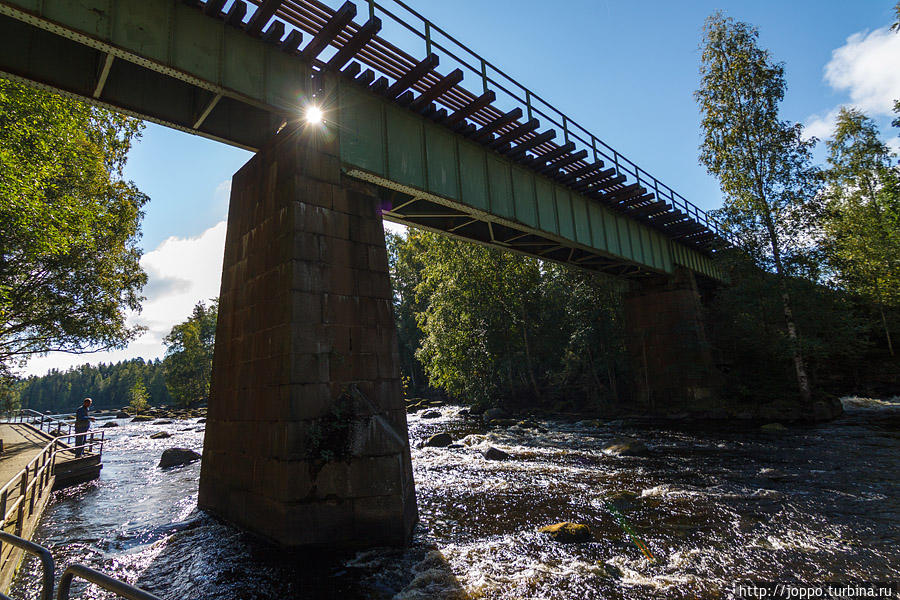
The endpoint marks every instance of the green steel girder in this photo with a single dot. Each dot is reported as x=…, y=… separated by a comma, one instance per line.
x=167, y=62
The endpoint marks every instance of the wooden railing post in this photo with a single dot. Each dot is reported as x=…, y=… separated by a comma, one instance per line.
x=20, y=513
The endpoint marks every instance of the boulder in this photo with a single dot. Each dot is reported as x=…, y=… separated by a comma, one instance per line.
x=203, y=420
x=174, y=457
x=568, y=533
x=495, y=454
x=439, y=440
x=122, y=415
x=493, y=414
x=159, y=435
x=162, y=422
x=141, y=418
x=109, y=424
x=773, y=427
x=627, y=447
x=431, y=414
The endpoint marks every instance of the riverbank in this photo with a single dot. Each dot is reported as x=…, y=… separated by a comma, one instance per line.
x=811, y=503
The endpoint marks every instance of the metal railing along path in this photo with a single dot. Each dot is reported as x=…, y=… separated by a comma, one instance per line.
x=110, y=584
x=38, y=551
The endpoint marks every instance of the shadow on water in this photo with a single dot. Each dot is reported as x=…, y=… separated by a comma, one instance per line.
x=209, y=560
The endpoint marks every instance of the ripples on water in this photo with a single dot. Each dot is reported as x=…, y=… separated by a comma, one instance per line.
x=810, y=504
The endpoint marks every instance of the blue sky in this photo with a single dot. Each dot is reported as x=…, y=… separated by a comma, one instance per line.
x=624, y=69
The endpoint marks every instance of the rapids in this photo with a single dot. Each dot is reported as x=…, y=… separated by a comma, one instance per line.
x=810, y=504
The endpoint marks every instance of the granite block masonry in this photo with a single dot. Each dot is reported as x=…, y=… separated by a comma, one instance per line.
x=666, y=338
x=306, y=440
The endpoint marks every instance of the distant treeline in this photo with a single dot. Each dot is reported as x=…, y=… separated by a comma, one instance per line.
x=108, y=385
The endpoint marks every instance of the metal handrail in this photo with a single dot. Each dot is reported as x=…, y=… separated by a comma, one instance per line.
x=533, y=104
x=42, y=553
x=571, y=129
x=119, y=588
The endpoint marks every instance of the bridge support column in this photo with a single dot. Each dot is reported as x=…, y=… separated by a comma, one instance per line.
x=306, y=441
x=670, y=353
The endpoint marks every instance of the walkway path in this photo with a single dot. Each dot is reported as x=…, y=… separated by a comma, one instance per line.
x=20, y=445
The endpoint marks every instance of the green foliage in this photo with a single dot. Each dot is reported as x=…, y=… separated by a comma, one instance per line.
x=861, y=226
x=488, y=325
x=109, y=385
x=189, y=355
x=139, y=396
x=10, y=394
x=69, y=225
x=763, y=163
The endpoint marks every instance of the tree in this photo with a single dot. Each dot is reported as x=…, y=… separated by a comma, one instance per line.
x=763, y=163
x=69, y=225
x=139, y=396
x=862, y=223
x=896, y=25
x=189, y=355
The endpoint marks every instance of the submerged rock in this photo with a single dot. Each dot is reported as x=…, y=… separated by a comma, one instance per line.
x=627, y=447
x=568, y=533
x=431, y=414
x=492, y=414
x=163, y=422
x=773, y=427
x=174, y=457
x=109, y=424
x=439, y=440
x=159, y=435
x=495, y=454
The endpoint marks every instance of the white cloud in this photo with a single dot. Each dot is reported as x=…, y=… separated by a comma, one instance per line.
x=221, y=197
x=867, y=68
x=181, y=272
x=821, y=126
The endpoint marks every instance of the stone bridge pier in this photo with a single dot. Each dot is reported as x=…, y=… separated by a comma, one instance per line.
x=306, y=439
x=667, y=341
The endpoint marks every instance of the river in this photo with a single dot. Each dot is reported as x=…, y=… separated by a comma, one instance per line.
x=811, y=504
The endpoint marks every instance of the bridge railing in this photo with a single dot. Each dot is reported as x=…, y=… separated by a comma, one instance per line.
x=512, y=94
x=494, y=78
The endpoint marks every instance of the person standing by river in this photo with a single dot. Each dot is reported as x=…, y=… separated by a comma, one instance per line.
x=82, y=424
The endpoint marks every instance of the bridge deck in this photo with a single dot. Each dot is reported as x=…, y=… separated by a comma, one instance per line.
x=237, y=71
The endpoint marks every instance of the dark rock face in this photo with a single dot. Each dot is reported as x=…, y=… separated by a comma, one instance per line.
x=568, y=533
x=174, y=457
x=492, y=414
x=495, y=454
x=627, y=447
x=439, y=440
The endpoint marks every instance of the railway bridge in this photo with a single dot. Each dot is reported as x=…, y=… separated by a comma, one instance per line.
x=306, y=440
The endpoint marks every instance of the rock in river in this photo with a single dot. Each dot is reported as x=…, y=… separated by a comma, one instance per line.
x=160, y=435
x=109, y=424
x=439, y=440
x=141, y=418
x=495, y=454
x=173, y=457
x=568, y=533
x=162, y=422
x=492, y=414
x=431, y=414
x=122, y=415
x=773, y=427
x=627, y=447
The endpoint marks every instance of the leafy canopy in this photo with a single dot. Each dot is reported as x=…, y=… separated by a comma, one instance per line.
x=189, y=355
x=69, y=226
